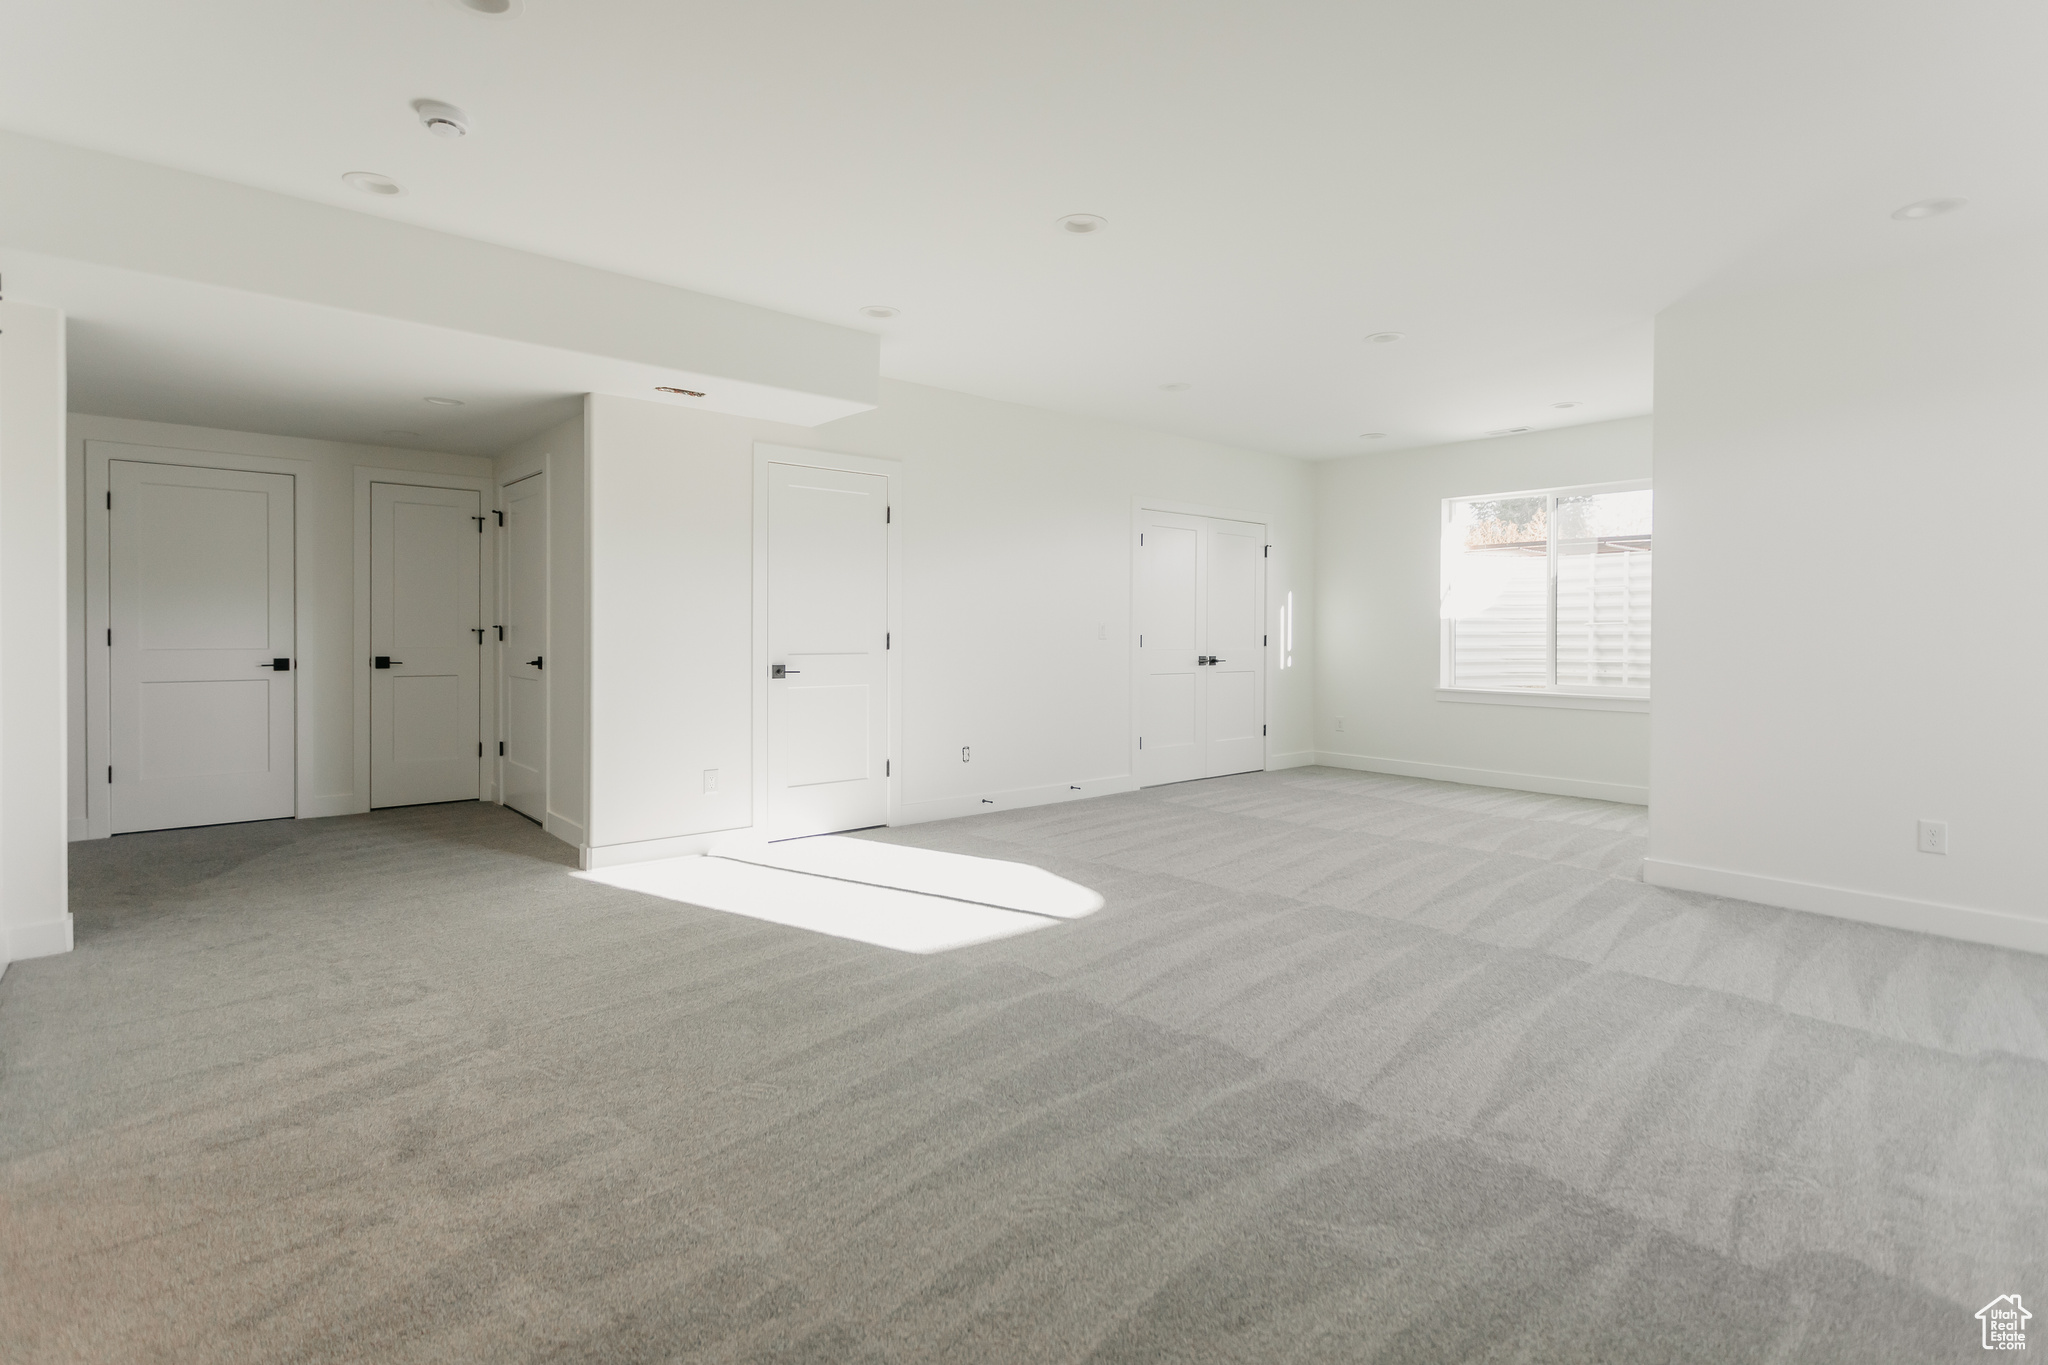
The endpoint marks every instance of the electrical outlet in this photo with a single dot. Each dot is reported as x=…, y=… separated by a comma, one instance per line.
x=966, y=754
x=1933, y=836
x=710, y=780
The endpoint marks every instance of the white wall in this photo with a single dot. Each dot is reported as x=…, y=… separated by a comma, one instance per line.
x=34, y=918
x=1850, y=485
x=1016, y=534
x=329, y=669
x=559, y=454
x=1378, y=564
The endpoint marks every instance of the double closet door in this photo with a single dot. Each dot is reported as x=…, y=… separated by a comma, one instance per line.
x=1201, y=627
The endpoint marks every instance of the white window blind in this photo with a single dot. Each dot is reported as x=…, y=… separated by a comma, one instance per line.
x=1548, y=592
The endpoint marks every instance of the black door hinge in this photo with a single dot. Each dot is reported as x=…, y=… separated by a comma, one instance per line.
x=888, y=515
x=110, y=635
x=885, y=641
x=1141, y=537
x=1265, y=639
x=1141, y=741
x=110, y=774
x=885, y=767
x=501, y=748
x=1262, y=729
x=110, y=499
x=479, y=748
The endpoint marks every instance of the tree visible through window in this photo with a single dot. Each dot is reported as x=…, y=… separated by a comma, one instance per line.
x=1548, y=592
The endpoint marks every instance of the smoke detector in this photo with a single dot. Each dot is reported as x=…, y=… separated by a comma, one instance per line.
x=441, y=119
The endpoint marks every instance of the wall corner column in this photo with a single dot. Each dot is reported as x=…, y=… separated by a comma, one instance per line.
x=35, y=918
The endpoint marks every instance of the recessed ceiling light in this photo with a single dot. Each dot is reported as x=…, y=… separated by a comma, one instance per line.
x=446, y=402
x=1372, y=435
x=1083, y=222
x=878, y=311
x=1175, y=388
x=1929, y=208
x=1387, y=338
x=490, y=9
x=687, y=393
x=1572, y=404
x=369, y=182
x=401, y=435
x=441, y=118
x=1508, y=431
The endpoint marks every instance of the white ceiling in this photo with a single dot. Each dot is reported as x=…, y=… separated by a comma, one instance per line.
x=1517, y=187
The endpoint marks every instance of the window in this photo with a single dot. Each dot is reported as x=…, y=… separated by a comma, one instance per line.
x=1546, y=595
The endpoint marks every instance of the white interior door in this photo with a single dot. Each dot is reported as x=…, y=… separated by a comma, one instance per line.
x=523, y=769
x=1201, y=647
x=1169, y=620
x=828, y=593
x=200, y=645
x=426, y=642
x=1234, y=612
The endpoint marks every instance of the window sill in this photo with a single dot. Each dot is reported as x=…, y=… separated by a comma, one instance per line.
x=1575, y=701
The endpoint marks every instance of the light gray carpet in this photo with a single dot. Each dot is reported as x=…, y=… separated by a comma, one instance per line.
x=1349, y=1069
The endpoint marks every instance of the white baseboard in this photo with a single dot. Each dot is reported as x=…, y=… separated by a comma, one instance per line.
x=35, y=940
x=981, y=803
x=1299, y=759
x=1994, y=927
x=1486, y=777
x=563, y=828
x=322, y=807
x=650, y=850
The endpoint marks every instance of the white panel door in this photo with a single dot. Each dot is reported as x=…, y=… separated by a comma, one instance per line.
x=426, y=643
x=522, y=667
x=828, y=593
x=1234, y=608
x=201, y=646
x=1169, y=621
x=1201, y=648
